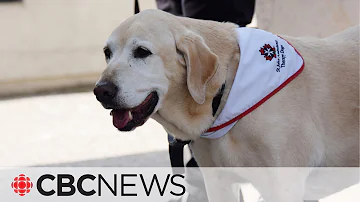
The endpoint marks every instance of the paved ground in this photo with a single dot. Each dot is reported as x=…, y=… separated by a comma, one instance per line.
x=74, y=130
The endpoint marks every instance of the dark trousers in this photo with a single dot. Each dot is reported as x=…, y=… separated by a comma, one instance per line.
x=236, y=11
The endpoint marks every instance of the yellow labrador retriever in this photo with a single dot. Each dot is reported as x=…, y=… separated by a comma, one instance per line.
x=171, y=69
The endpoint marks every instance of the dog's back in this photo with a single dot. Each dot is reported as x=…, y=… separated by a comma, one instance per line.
x=344, y=92
x=331, y=77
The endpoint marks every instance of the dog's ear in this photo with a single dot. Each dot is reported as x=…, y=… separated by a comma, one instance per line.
x=200, y=62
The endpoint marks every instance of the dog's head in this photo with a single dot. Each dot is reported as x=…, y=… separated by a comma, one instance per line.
x=157, y=66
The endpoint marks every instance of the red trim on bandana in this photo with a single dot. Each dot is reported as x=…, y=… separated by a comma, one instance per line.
x=264, y=99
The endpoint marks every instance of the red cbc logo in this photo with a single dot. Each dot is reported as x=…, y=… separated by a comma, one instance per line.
x=268, y=52
x=21, y=185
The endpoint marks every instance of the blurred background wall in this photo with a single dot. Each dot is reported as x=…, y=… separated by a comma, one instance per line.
x=53, y=44
x=50, y=44
x=319, y=18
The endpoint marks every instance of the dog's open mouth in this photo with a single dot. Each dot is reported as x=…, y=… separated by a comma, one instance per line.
x=128, y=119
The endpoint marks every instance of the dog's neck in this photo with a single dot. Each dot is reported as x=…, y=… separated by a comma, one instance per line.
x=228, y=63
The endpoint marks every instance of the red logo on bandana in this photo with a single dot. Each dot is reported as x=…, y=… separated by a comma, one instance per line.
x=268, y=52
x=21, y=185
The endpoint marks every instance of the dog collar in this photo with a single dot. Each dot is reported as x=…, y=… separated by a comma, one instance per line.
x=217, y=100
x=267, y=64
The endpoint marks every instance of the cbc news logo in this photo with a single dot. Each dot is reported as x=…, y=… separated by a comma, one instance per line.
x=68, y=185
x=22, y=185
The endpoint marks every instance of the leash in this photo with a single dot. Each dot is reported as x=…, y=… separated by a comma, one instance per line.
x=137, y=8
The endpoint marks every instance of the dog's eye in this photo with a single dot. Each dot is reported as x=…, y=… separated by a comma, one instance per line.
x=141, y=52
x=107, y=53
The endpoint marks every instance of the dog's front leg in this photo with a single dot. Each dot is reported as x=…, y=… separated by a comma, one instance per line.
x=282, y=184
x=217, y=184
x=219, y=187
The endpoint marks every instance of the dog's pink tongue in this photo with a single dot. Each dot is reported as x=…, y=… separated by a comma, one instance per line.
x=120, y=118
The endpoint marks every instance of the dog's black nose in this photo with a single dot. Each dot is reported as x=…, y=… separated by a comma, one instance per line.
x=105, y=91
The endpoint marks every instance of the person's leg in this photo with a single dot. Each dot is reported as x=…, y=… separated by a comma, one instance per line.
x=170, y=6
x=236, y=11
x=244, y=10
x=176, y=154
x=206, y=9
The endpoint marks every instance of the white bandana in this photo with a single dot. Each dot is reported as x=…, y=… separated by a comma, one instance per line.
x=267, y=64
